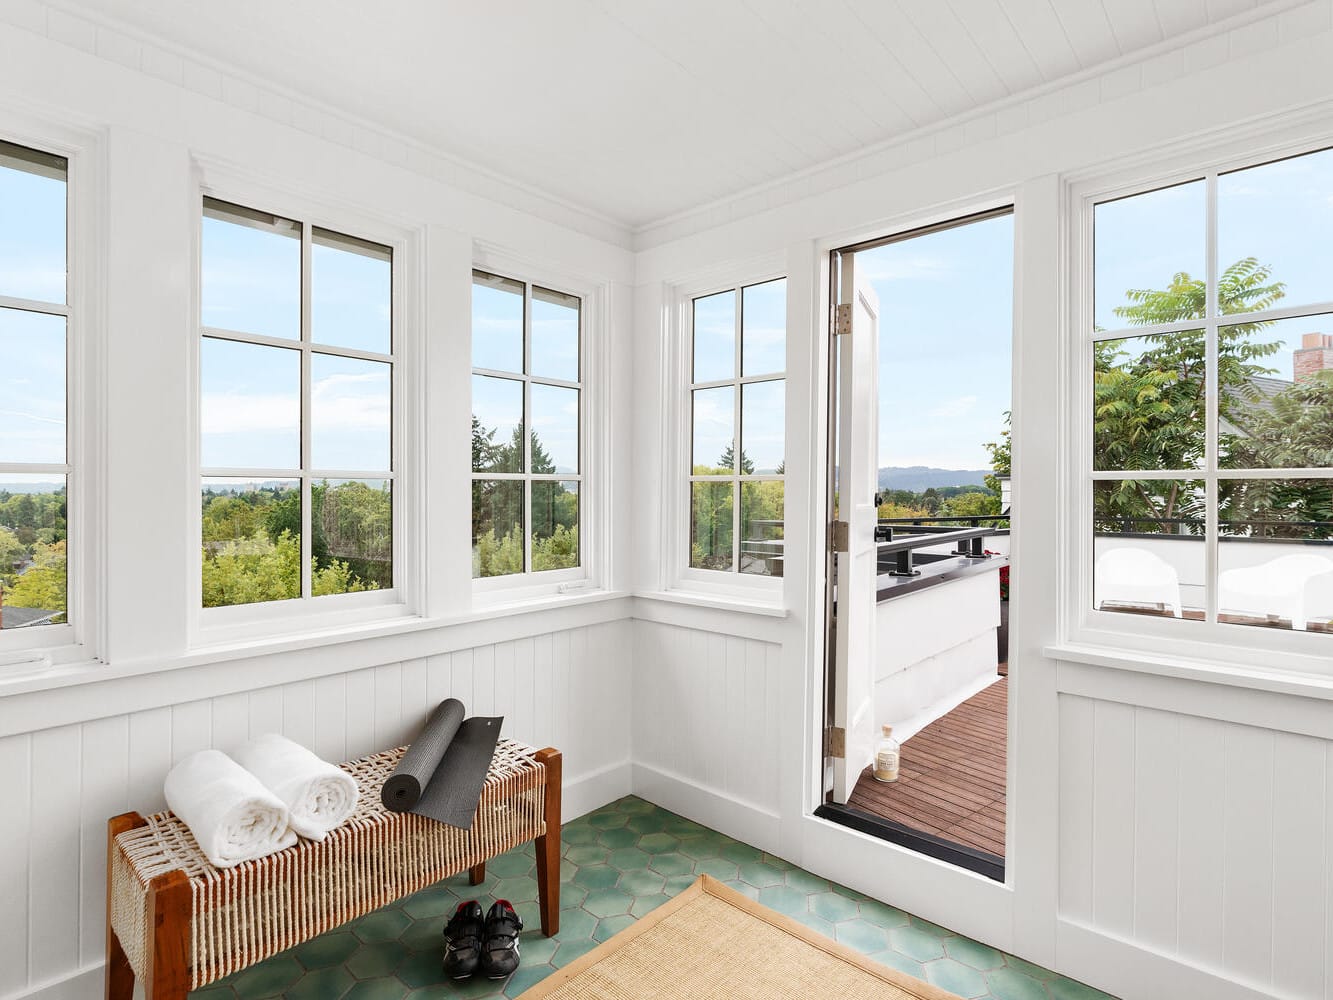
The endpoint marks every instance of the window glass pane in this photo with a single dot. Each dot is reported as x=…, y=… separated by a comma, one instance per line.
x=715, y=337
x=351, y=293
x=497, y=323
x=1152, y=241
x=1275, y=553
x=1272, y=225
x=32, y=387
x=352, y=544
x=761, y=528
x=497, y=424
x=764, y=328
x=250, y=406
x=251, y=541
x=714, y=430
x=763, y=427
x=555, y=429
x=32, y=224
x=350, y=413
x=251, y=272
x=1148, y=546
x=1148, y=402
x=1277, y=394
x=555, y=335
x=555, y=525
x=711, y=506
x=497, y=527
x=33, y=538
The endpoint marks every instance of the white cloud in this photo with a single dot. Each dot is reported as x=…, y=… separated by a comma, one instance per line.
x=951, y=409
x=229, y=413
x=900, y=266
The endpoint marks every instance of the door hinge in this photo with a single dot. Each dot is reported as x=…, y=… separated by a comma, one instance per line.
x=838, y=537
x=835, y=742
x=842, y=319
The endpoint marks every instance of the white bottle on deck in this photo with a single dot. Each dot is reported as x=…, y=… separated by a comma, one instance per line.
x=887, y=756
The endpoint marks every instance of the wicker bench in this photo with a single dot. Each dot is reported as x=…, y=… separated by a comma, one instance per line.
x=178, y=923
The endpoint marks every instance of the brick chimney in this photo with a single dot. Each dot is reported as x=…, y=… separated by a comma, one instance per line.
x=1314, y=355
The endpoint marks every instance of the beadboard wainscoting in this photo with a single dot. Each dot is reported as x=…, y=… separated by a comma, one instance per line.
x=707, y=739
x=1194, y=826
x=569, y=689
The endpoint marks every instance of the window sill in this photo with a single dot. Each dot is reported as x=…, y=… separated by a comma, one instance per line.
x=1302, y=684
x=715, y=601
x=94, y=671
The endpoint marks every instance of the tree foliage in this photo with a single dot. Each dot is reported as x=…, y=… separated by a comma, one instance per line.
x=1149, y=404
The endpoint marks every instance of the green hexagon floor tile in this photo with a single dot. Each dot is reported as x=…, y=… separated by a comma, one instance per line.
x=620, y=863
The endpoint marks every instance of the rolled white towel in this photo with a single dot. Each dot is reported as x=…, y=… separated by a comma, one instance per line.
x=319, y=796
x=231, y=814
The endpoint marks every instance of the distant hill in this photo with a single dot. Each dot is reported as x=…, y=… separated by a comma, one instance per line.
x=922, y=477
x=31, y=487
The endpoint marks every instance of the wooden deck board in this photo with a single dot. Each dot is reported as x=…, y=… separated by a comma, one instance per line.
x=952, y=777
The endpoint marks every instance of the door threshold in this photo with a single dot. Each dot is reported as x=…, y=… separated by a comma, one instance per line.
x=980, y=862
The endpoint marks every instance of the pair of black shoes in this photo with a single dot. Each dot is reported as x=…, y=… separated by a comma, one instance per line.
x=488, y=945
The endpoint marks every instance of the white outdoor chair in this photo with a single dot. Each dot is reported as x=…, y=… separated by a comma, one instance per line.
x=1297, y=586
x=1136, y=576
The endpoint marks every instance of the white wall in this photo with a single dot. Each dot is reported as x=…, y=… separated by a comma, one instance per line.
x=1103, y=759
x=87, y=741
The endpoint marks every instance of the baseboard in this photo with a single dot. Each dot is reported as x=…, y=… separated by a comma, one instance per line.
x=85, y=984
x=1132, y=972
x=591, y=791
x=743, y=820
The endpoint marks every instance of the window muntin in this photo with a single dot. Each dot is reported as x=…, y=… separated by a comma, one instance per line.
x=527, y=426
x=34, y=399
x=296, y=410
x=737, y=406
x=1212, y=399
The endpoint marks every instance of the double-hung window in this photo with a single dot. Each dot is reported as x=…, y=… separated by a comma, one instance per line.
x=35, y=472
x=737, y=397
x=1210, y=352
x=296, y=373
x=527, y=406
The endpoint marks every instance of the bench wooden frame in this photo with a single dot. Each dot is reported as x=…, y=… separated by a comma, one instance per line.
x=169, y=901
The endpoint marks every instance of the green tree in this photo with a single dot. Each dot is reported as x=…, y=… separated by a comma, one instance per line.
x=1001, y=455
x=43, y=584
x=12, y=554
x=1149, y=406
x=1295, y=430
x=727, y=460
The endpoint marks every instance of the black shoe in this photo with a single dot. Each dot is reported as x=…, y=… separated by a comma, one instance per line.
x=462, y=941
x=499, y=956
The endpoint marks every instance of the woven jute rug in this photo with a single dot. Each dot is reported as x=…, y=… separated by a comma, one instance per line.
x=712, y=943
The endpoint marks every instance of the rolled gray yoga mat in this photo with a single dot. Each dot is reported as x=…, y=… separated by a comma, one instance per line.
x=442, y=773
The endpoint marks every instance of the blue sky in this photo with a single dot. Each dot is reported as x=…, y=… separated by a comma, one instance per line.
x=32, y=266
x=945, y=335
x=250, y=407
x=763, y=352
x=497, y=344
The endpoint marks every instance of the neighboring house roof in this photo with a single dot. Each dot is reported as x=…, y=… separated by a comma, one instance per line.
x=1266, y=388
x=12, y=617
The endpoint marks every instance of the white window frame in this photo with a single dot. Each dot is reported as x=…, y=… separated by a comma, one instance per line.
x=82, y=638
x=1148, y=637
x=679, y=451
x=594, y=434
x=406, y=598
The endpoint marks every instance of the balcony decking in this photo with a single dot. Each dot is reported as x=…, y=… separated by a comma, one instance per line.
x=952, y=776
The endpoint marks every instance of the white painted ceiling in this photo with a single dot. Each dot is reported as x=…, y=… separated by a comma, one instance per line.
x=641, y=109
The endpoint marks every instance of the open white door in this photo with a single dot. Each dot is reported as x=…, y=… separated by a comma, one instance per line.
x=856, y=562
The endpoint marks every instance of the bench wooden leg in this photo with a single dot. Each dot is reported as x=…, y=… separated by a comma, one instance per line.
x=119, y=975
x=548, y=846
x=477, y=874
x=168, y=953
